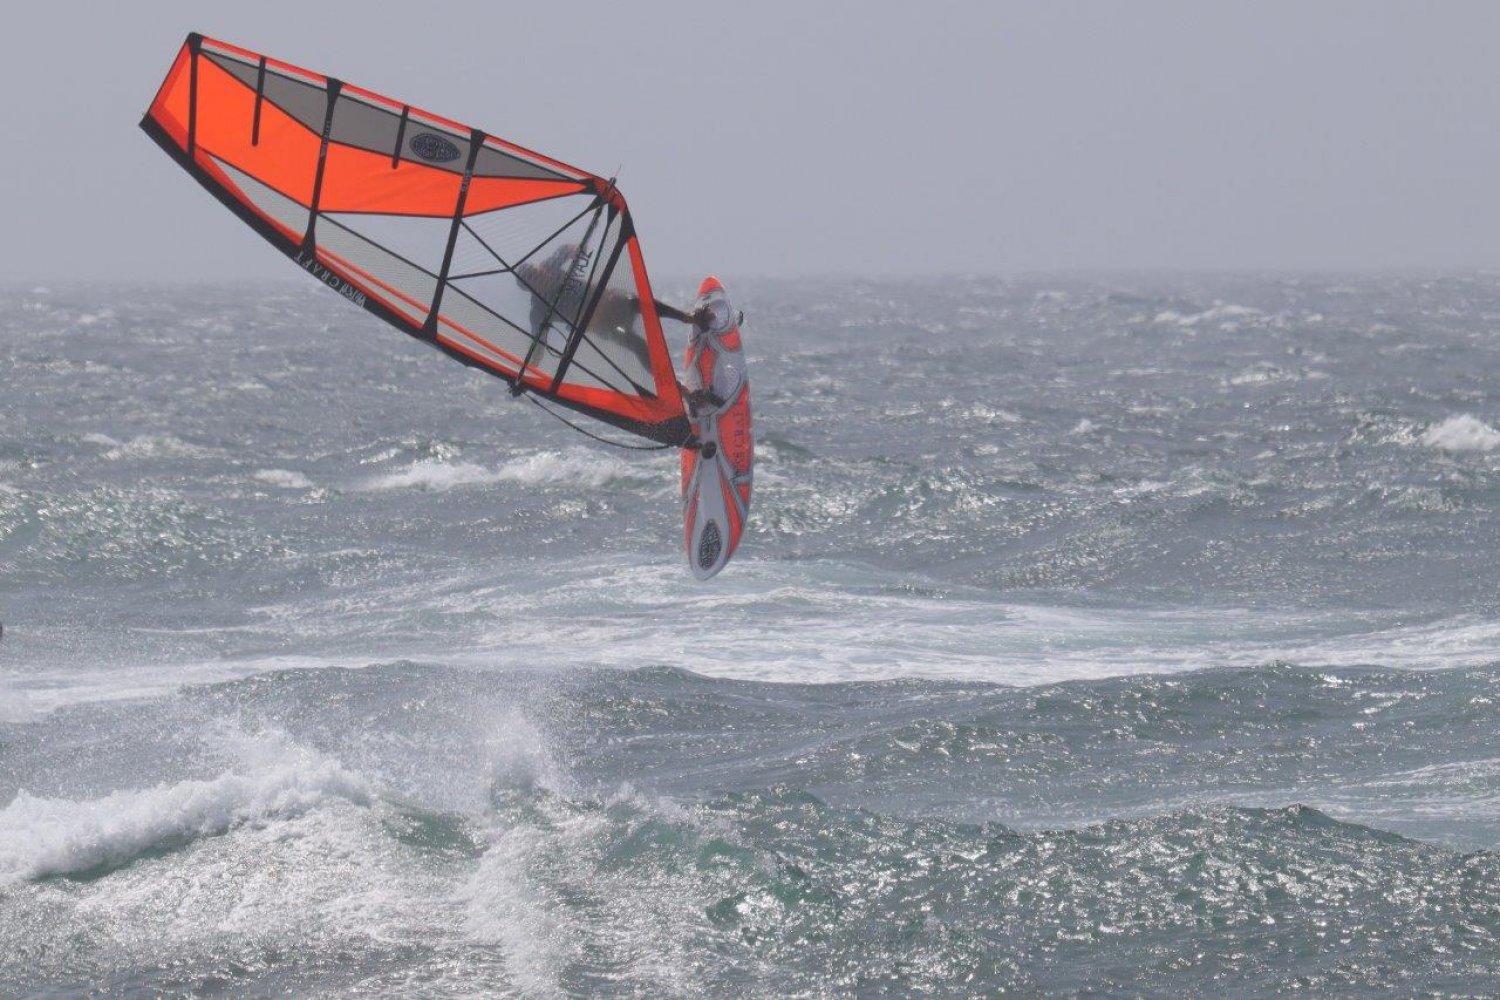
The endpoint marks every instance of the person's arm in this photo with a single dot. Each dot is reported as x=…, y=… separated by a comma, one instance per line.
x=672, y=312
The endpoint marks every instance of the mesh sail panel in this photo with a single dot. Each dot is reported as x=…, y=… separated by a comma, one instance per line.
x=269, y=202
x=399, y=282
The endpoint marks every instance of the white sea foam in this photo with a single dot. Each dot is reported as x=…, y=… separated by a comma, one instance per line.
x=831, y=622
x=515, y=755
x=991, y=414
x=47, y=836
x=827, y=622
x=283, y=849
x=1461, y=433
x=285, y=478
x=545, y=468
x=511, y=906
x=1221, y=312
x=153, y=446
x=509, y=902
x=47, y=691
x=778, y=621
x=103, y=440
x=433, y=474
x=1263, y=374
x=15, y=706
x=523, y=896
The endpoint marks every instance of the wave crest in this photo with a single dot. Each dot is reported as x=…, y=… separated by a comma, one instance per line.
x=545, y=468
x=284, y=478
x=46, y=836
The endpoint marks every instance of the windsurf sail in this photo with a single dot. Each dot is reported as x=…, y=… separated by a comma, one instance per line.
x=505, y=259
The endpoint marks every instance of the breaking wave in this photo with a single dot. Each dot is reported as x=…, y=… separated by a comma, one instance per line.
x=55, y=836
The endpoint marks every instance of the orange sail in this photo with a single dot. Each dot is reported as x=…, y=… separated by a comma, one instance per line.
x=505, y=259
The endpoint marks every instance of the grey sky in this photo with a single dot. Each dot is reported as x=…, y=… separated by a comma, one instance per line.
x=793, y=138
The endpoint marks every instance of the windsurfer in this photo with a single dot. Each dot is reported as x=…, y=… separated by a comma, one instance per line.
x=557, y=285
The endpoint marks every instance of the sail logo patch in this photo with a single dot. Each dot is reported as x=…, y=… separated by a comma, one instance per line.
x=710, y=543
x=330, y=278
x=433, y=148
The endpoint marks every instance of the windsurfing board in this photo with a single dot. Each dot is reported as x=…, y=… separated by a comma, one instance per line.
x=717, y=474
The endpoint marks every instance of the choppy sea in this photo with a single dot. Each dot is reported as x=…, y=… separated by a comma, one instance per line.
x=1118, y=636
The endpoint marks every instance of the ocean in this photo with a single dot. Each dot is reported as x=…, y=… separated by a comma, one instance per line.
x=1093, y=636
